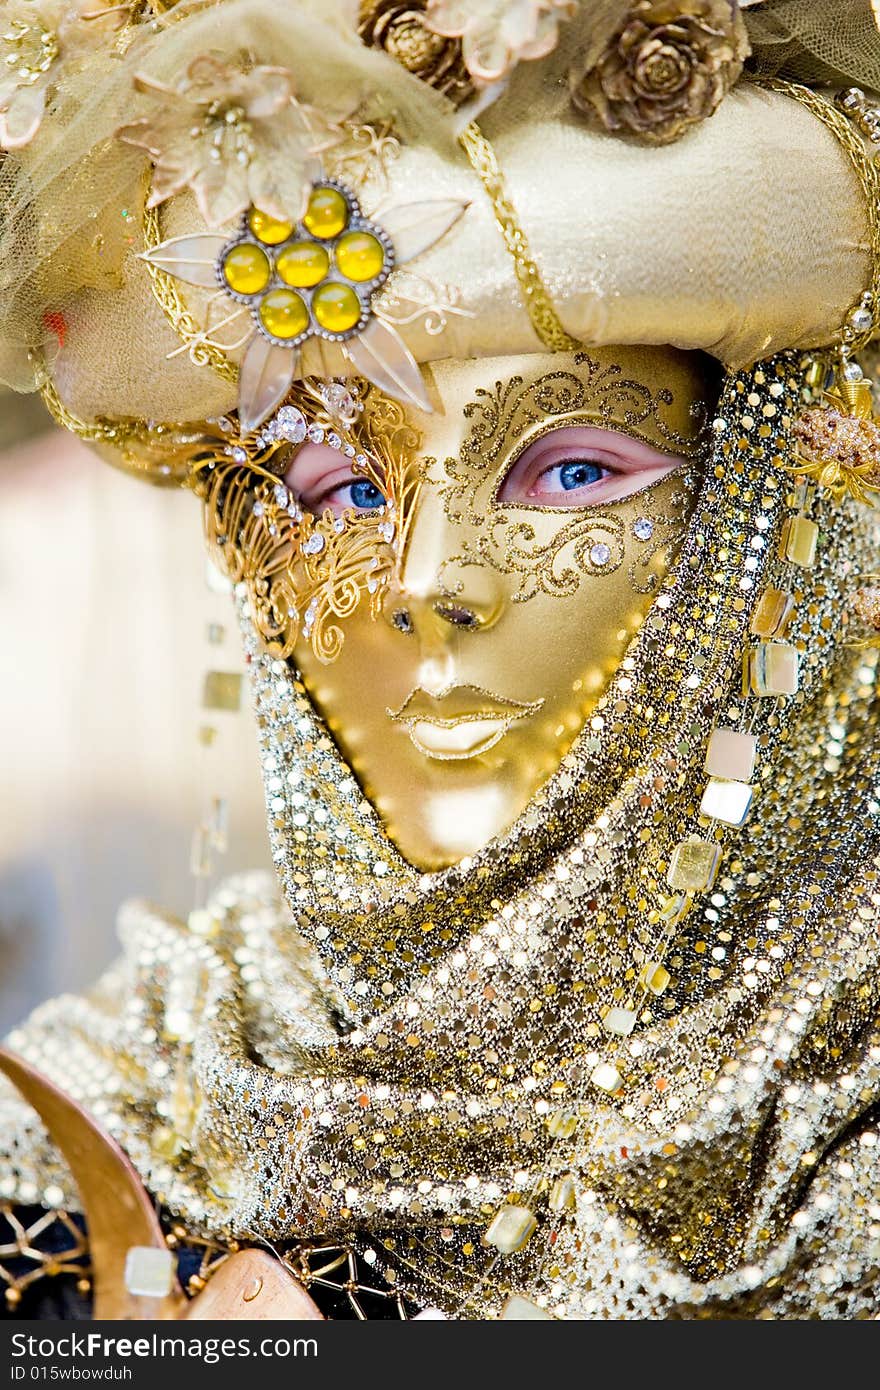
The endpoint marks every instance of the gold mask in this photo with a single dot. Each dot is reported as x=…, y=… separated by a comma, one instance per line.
x=553, y=492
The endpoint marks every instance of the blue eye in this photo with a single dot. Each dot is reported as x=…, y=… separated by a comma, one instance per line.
x=365, y=496
x=577, y=473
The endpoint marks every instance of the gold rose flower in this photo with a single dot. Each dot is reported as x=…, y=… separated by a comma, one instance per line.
x=497, y=34
x=668, y=67
x=401, y=30
x=865, y=606
x=34, y=35
x=837, y=442
x=236, y=136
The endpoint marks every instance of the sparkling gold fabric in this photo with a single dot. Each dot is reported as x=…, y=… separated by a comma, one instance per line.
x=376, y=1061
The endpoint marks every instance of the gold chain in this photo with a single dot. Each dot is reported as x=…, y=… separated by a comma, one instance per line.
x=167, y=295
x=866, y=171
x=545, y=320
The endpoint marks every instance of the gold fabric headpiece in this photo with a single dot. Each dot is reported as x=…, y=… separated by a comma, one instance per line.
x=746, y=235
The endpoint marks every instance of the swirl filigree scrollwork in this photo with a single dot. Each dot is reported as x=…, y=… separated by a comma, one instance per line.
x=306, y=574
x=511, y=416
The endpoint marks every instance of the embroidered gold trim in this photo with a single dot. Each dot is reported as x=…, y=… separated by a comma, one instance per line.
x=166, y=293
x=866, y=171
x=545, y=320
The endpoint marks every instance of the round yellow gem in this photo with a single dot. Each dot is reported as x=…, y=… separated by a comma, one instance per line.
x=284, y=314
x=246, y=268
x=327, y=213
x=303, y=264
x=336, y=307
x=268, y=229
x=360, y=256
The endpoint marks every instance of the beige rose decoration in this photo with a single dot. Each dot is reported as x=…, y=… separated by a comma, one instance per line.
x=34, y=35
x=401, y=30
x=668, y=67
x=497, y=34
x=235, y=135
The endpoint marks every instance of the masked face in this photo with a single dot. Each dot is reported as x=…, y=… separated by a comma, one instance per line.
x=553, y=493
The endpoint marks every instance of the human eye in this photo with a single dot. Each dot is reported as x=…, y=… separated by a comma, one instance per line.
x=322, y=481
x=583, y=466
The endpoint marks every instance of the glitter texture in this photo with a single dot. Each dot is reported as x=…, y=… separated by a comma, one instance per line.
x=377, y=1059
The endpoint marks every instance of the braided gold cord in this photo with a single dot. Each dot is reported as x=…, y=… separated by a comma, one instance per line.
x=866, y=171
x=167, y=295
x=545, y=320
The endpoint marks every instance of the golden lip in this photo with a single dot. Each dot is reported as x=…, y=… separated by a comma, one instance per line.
x=452, y=740
x=459, y=722
x=458, y=703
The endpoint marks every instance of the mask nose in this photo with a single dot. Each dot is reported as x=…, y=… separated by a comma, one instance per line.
x=436, y=591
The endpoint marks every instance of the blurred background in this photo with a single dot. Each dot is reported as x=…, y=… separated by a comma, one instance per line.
x=104, y=614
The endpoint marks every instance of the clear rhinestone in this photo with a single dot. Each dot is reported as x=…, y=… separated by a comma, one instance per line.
x=290, y=424
x=239, y=455
x=334, y=441
x=386, y=531
x=643, y=528
x=852, y=371
x=340, y=401
x=861, y=319
x=282, y=496
x=315, y=434
x=600, y=554
x=314, y=545
x=258, y=509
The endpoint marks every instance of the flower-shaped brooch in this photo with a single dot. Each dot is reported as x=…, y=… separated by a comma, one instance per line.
x=313, y=278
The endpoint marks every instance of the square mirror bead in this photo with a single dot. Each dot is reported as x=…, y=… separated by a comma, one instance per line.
x=606, y=1077
x=773, y=669
x=798, y=541
x=149, y=1271
x=728, y=802
x=510, y=1229
x=693, y=866
x=654, y=977
x=620, y=1022
x=731, y=755
x=222, y=690
x=520, y=1309
x=773, y=613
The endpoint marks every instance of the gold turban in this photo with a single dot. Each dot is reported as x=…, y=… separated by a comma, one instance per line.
x=746, y=236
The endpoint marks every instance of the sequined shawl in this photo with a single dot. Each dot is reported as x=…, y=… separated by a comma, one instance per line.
x=375, y=1058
